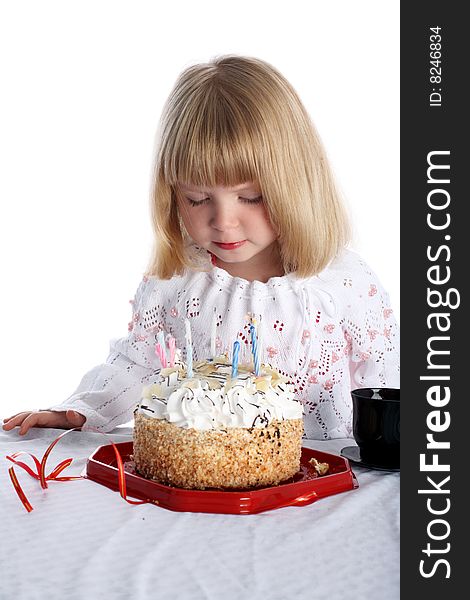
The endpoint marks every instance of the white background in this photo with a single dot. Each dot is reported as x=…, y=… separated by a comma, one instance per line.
x=82, y=87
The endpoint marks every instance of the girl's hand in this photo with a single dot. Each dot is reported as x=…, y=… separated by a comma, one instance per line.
x=44, y=418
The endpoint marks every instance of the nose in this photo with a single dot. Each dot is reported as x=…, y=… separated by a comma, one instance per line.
x=224, y=217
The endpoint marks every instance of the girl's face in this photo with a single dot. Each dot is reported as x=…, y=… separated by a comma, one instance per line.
x=233, y=224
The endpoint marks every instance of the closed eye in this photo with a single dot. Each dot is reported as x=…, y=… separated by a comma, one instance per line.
x=256, y=200
x=197, y=202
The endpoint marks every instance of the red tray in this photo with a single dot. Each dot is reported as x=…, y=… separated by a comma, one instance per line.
x=302, y=489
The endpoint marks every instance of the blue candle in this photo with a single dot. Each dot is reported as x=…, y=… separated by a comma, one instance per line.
x=254, y=349
x=235, y=353
x=189, y=349
x=259, y=332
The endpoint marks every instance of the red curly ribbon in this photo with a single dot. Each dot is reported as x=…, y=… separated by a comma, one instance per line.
x=40, y=475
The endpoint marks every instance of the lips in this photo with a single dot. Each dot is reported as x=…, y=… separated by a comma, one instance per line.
x=229, y=245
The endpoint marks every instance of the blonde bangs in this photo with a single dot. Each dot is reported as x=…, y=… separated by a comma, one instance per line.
x=236, y=120
x=213, y=143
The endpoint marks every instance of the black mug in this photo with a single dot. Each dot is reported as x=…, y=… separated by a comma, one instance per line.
x=376, y=425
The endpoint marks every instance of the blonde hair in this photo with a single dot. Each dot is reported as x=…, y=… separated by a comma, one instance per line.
x=233, y=120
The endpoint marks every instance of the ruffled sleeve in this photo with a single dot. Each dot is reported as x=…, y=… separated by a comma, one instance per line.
x=108, y=394
x=371, y=332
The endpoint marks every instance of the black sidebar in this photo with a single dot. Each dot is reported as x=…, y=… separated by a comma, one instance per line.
x=435, y=267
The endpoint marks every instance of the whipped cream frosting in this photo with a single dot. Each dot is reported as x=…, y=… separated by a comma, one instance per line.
x=213, y=400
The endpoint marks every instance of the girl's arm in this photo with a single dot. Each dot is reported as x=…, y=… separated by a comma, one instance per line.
x=109, y=393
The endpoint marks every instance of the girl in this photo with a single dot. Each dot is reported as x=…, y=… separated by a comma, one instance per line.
x=247, y=223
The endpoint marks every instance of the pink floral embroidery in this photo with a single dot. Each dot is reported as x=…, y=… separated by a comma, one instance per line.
x=329, y=328
x=173, y=312
x=373, y=333
x=334, y=357
x=347, y=336
x=348, y=348
x=305, y=335
x=365, y=355
x=372, y=289
x=387, y=332
x=136, y=317
x=145, y=278
x=328, y=385
x=313, y=364
x=387, y=312
x=313, y=379
x=140, y=338
x=130, y=326
x=271, y=351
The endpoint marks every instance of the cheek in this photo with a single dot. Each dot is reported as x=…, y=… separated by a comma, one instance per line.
x=267, y=224
x=192, y=220
x=184, y=214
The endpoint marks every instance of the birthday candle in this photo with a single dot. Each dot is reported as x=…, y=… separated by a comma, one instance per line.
x=172, y=348
x=254, y=349
x=213, y=332
x=260, y=340
x=161, y=341
x=236, y=351
x=189, y=349
x=161, y=354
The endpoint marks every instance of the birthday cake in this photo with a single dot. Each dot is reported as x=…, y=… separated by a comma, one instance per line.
x=216, y=430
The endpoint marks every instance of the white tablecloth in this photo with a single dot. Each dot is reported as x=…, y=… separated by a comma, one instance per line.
x=83, y=541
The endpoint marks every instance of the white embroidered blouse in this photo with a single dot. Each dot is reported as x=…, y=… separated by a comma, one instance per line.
x=328, y=334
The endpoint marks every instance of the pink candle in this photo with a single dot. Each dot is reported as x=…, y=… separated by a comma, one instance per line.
x=160, y=352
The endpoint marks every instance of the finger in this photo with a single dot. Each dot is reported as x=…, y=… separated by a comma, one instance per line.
x=44, y=419
x=38, y=419
x=15, y=415
x=75, y=418
x=27, y=423
x=15, y=420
